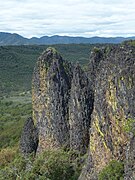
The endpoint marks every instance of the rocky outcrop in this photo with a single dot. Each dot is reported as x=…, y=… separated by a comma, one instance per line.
x=74, y=109
x=61, y=103
x=113, y=109
x=29, y=138
x=51, y=85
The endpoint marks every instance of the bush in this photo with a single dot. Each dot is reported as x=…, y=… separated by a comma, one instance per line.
x=114, y=171
x=129, y=126
x=7, y=155
x=50, y=165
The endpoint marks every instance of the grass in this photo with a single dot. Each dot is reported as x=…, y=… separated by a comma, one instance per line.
x=14, y=111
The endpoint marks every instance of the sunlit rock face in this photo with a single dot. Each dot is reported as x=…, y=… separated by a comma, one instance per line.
x=113, y=107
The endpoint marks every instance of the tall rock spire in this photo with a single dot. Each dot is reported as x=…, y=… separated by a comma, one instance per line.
x=50, y=93
x=62, y=103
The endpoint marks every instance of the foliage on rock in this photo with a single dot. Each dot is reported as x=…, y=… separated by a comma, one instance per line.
x=113, y=171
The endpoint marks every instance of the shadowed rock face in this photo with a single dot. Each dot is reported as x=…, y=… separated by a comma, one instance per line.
x=113, y=109
x=80, y=109
x=29, y=138
x=61, y=103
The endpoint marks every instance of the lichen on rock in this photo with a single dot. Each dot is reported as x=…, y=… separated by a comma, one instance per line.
x=113, y=105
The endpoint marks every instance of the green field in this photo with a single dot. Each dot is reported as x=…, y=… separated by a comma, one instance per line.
x=13, y=113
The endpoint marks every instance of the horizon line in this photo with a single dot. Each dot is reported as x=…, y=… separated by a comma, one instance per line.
x=14, y=33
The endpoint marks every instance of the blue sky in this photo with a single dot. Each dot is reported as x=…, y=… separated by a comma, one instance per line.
x=68, y=17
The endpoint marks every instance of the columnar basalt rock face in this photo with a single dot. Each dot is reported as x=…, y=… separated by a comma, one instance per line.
x=51, y=85
x=113, y=108
x=80, y=109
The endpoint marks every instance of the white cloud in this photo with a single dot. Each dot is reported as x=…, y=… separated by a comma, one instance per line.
x=68, y=17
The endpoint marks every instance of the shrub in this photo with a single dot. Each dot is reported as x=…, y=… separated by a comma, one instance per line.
x=50, y=165
x=96, y=50
x=114, y=171
x=6, y=156
x=129, y=125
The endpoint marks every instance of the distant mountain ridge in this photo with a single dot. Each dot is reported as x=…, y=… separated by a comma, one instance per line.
x=16, y=39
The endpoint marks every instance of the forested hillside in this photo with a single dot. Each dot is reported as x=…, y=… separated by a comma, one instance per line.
x=17, y=63
x=16, y=39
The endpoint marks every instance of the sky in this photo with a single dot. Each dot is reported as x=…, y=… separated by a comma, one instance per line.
x=87, y=18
